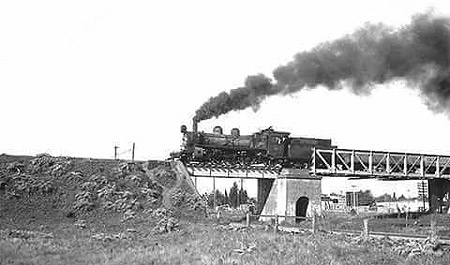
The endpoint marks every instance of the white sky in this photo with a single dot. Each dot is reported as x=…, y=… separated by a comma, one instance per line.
x=78, y=77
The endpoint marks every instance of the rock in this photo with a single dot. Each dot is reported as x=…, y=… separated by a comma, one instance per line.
x=128, y=215
x=148, y=211
x=159, y=213
x=433, y=249
x=414, y=253
x=49, y=235
x=107, y=237
x=166, y=225
x=24, y=234
x=98, y=236
x=80, y=223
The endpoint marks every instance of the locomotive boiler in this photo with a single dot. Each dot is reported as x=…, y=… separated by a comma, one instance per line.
x=267, y=148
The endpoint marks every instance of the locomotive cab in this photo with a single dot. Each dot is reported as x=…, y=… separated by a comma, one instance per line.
x=276, y=143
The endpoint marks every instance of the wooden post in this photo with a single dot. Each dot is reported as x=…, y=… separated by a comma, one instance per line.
x=239, y=197
x=214, y=190
x=406, y=217
x=433, y=236
x=132, y=152
x=366, y=228
x=314, y=222
x=247, y=220
x=275, y=228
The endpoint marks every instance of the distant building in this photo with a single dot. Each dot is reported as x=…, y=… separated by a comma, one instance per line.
x=333, y=202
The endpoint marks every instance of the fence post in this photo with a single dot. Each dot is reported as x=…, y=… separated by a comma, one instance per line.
x=275, y=228
x=406, y=217
x=366, y=228
x=314, y=222
x=433, y=236
x=247, y=219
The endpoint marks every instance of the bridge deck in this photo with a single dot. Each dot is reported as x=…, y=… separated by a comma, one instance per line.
x=378, y=164
x=346, y=163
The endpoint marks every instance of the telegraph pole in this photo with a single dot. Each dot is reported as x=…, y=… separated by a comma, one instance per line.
x=115, y=152
x=132, y=152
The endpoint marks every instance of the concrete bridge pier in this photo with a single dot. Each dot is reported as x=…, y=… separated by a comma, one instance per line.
x=264, y=188
x=294, y=192
x=438, y=193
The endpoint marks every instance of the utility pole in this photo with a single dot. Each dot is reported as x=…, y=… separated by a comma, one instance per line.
x=422, y=191
x=115, y=152
x=132, y=152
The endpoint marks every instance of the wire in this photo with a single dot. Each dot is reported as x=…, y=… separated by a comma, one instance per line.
x=126, y=151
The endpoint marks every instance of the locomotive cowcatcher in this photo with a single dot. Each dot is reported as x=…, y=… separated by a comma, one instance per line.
x=267, y=148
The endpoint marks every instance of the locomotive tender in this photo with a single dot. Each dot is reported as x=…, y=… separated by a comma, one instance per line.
x=267, y=148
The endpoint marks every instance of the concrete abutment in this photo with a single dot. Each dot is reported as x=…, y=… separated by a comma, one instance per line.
x=289, y=195
x=264, y=187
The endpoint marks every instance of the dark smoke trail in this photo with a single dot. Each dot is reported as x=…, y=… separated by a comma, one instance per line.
x=255, y=90
x=375, y=54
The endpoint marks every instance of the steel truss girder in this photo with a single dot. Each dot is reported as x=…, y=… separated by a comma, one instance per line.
x=226, y=172
x=369, y=163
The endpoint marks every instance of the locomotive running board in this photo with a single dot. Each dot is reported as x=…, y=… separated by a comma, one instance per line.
x=224, y=172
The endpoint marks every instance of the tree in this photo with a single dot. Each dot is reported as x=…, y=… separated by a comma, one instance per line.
x=220, y=199
x=227, y=198
x=233, y=197
x=243, y=197
x=385, y=198
x=210, y=200
x=365, y=197
x=402, y=198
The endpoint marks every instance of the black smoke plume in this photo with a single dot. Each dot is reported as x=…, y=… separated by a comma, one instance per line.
x=375, y=54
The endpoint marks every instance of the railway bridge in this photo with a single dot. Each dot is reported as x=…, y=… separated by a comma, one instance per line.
x=296, y=192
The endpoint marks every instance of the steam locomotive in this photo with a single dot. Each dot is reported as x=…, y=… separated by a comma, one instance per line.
x=267, y=148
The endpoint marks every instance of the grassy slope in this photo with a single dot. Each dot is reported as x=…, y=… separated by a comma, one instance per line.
x=53, y=188
x=54, y=238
